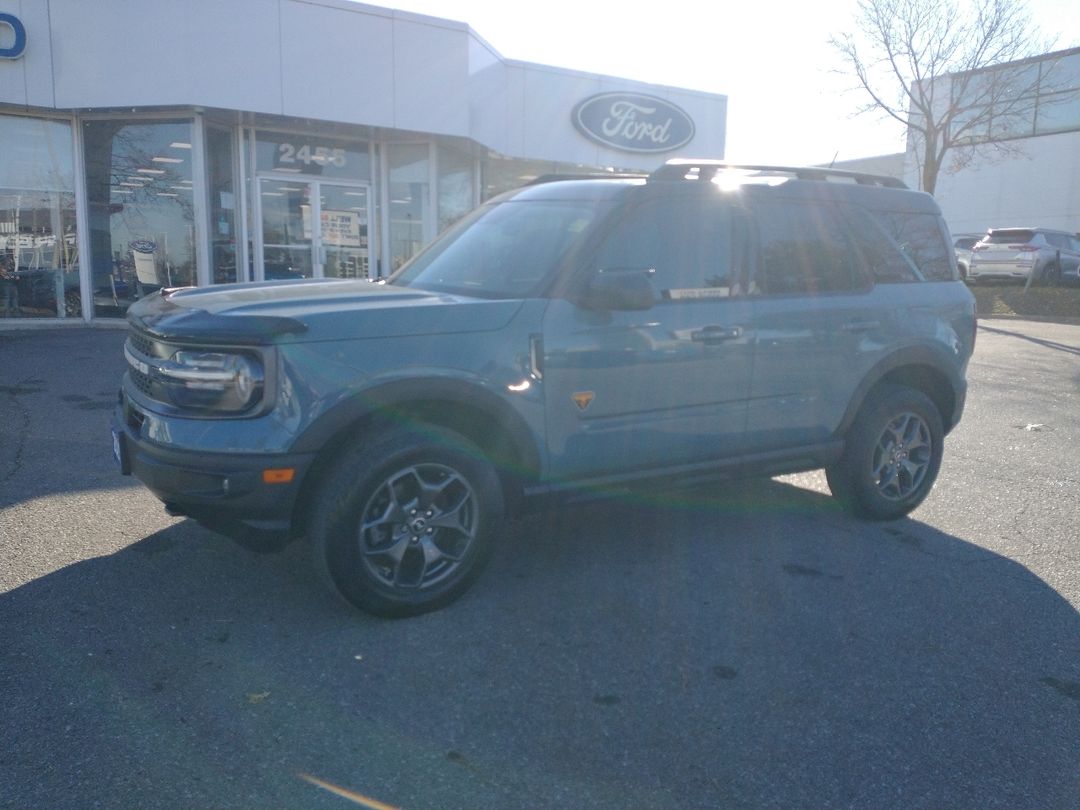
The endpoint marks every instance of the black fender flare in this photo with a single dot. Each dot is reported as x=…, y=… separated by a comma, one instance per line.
x=913, y=357
x=396, y=396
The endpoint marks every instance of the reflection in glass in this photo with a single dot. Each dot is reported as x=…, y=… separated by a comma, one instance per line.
x=409, y=200
x=39, y=260
x=455, y=186
x=345, y=231
x=139, y=186
x=222, y=186
x=286, y=224
x=1059, y=112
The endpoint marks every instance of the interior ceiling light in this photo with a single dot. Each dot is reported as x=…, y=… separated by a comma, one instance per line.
x=150, y=171
x=166, y=160
x=180, y=145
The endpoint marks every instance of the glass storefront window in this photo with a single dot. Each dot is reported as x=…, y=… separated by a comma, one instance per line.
x=39, y=257
x=455, y=186
x=139, y=186
x=221, y=183
x=409, y=200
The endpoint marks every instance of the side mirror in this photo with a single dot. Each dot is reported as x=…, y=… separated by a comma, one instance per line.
x=619, y=289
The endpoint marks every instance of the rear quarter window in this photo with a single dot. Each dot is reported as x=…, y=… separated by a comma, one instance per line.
x=805, y=249
x=919, y=240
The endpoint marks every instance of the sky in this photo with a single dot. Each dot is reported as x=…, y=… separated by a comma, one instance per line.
x=787, y=104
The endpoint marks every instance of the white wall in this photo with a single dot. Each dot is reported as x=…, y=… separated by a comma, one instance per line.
x=1039, y=187
x=27, y=81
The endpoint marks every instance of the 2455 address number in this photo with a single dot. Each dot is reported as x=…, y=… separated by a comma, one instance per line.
x=290, y=153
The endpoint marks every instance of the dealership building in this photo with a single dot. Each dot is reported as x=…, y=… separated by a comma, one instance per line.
x=1021, y=165
x=166, y=143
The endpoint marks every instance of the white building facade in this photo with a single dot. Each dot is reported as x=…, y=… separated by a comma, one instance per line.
x=172, y=142
x=1035, y=180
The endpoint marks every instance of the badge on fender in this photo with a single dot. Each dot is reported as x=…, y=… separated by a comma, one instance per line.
x=583, y=399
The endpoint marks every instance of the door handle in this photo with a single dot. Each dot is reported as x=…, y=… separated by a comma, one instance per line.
x=861, y=326
x=711, y=335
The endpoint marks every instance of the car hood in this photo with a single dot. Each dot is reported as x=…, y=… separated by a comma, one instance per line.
x=320, y=309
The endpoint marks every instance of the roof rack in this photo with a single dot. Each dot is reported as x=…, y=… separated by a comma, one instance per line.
x=680, y=169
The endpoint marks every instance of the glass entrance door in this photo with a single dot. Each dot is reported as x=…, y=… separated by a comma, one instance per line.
x=292, y=248
x=287, y=243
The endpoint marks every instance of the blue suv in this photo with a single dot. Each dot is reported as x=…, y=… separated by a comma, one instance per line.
x=575, y=333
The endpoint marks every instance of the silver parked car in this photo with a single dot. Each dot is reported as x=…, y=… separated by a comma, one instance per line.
x=1045, y=255
x=962, y=245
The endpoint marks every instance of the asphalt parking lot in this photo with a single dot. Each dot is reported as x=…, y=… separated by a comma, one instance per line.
x=744, y=646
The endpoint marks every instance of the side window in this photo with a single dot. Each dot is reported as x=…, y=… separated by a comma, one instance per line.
x=919, y=238
x=687, y=241
x=885, y=259
x=806, y=249
x=1058, y=240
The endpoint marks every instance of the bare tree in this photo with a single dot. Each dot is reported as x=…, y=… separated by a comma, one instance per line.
x=954, y=74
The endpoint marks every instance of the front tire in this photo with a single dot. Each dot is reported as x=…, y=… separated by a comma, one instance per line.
x=892, y=455
x=406, y=520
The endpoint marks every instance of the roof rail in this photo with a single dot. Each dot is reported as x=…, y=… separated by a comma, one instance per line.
x=680, y=168
x=554, y=178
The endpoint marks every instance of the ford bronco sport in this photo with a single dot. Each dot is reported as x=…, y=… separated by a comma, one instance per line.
x=703, y=320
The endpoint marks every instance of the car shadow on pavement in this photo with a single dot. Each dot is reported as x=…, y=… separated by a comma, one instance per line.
x=749, y=646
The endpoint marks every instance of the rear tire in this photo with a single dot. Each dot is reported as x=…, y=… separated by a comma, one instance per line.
x=405, y=521
x=891, y=456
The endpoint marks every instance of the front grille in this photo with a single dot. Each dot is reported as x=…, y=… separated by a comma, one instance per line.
x=142, y=347
x=141, y=343
x=140, y=381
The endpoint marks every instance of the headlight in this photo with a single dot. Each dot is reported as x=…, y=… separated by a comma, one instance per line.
x=215, y=381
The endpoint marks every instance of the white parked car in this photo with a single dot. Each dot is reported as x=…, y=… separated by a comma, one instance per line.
x=1048, y=256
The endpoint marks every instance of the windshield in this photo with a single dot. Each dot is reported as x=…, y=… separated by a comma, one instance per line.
x=506, y=250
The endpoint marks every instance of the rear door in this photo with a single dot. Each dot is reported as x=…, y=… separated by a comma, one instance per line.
x=817, y=325
x=836, y=289
x=665, y=386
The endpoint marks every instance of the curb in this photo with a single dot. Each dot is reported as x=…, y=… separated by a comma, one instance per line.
x=1063, y=319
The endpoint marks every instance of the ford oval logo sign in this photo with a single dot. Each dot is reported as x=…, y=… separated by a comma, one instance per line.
x=19, y=45
x=633, y=122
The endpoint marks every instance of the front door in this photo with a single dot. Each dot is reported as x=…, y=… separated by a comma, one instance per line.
x=291, y=246
x=664, y=387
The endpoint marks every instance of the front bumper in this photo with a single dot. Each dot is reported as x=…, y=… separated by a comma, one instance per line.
x=224, y=491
